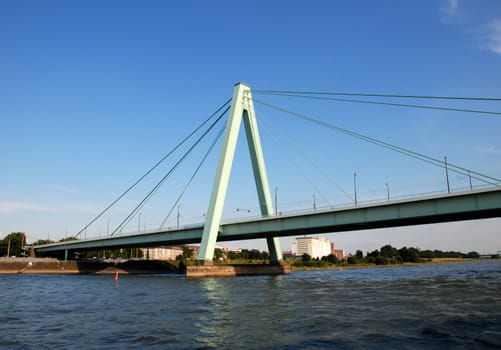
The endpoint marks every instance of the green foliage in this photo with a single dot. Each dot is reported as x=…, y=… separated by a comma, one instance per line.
x=187, y=253
x=389, y=252
x=68, y=239
x=306, y=257
x=218, y=254
x=12, y=244
x=330, y=258
x=246, y=254
x=43, y=241
x=359, y=255
x=472, y=255
x=351, y=260
x=382, y=260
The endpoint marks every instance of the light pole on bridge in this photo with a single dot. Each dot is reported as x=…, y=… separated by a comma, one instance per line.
x=276, y=203
x=447, y=175
x=355, y=186
x=178, y=215
x=387, y=190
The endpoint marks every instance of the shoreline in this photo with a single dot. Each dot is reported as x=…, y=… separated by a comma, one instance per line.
x=12, y=266
x=374, y=266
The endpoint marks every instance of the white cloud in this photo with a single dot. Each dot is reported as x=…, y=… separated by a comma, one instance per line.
x=64, y=189
x=449, y=11
x=451, y=7
x=494, y=36
x=12, y=207
x=489, y=150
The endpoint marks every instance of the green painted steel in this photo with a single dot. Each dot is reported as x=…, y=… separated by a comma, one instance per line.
x=241, y=108
x=444, y=208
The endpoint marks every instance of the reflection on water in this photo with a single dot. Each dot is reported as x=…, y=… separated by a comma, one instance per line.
x=428, y=306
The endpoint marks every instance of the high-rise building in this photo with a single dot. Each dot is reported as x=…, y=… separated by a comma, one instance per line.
x=316, y=247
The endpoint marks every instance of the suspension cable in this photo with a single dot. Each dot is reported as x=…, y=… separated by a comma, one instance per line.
x=387, y=103
x=453, y=167
x=298, y=168
x=376, y=95
x=218, y=136
x=166, y=176
x=153, y=167
x=311, y=162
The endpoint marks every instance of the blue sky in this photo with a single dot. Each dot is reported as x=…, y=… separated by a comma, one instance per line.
x=93, y=93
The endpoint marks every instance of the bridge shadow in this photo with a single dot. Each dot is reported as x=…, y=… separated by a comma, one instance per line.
x=128, y=267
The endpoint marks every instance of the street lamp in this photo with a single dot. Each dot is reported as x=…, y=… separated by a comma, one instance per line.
x=447, y=175
x=355, y=186
x=314, y=202
x=178, y=215
x=387, y=190
x=276, y=203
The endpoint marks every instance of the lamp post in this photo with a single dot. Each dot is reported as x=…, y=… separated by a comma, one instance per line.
x=447, y=175
x=178, y=215
x=355, y=186
x=276, y=203
x=314, y=202
x=139, y=223
x=387, y=190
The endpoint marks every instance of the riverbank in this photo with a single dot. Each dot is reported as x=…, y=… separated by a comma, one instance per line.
x=54, y=266
x=366, y=265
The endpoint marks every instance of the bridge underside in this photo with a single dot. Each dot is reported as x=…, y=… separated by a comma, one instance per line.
x=457, y=207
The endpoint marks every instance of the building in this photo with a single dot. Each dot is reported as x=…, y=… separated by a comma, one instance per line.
x=162, y=253
x=316, y=247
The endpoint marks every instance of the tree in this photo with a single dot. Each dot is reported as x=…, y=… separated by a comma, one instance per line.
x=331, y=258
x=359, y=255
x=218, y=254
x=68, y=239
x=306, y=257
x=472, y=255
x=389, y=252
x=351, y=260
x=232, y=255
x=43, y=241
x=12, y=244
x=187, y=253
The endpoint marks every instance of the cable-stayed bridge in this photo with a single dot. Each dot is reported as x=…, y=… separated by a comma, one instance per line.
x=451, y=206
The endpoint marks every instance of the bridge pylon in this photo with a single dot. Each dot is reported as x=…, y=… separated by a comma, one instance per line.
x=242, y=107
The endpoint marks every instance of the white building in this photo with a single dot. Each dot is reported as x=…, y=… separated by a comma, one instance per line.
x=316, y=247
x=163, y=253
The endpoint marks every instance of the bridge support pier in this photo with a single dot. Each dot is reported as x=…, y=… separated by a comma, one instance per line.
x=237, y=270
x=242, y=107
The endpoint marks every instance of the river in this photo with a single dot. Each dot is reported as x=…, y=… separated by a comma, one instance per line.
x=433, y=306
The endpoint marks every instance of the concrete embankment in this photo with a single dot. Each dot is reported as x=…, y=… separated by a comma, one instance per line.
x=54, y=266
x=237, y=270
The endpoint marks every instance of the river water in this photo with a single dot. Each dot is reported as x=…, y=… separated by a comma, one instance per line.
x=409, y=307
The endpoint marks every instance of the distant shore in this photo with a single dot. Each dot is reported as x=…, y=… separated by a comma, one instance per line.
x=54, y=266
x=365, y=265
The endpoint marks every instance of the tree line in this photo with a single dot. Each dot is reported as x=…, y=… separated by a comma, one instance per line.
x=12, y=244
x=387, y=255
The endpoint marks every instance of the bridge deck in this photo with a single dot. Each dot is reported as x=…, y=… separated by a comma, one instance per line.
x=435, y=209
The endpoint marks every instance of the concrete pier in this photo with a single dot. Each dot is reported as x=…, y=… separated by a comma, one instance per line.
x=202, y=271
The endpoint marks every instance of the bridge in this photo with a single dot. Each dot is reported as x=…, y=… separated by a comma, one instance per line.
x=451, y=206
